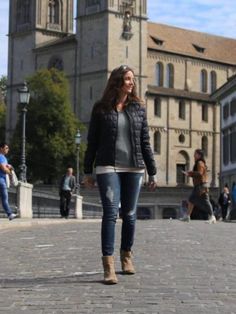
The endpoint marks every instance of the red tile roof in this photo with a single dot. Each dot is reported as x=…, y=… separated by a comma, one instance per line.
x=187, y=42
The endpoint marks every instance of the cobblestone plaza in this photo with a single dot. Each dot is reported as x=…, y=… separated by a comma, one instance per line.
x=54, y=267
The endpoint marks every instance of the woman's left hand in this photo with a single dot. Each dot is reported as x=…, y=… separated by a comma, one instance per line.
x=152, y=185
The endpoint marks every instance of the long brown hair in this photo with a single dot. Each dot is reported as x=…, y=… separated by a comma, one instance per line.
x=112, y=90
x=200, y=152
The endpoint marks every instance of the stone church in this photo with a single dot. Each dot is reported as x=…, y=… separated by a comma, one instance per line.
x=176, y=70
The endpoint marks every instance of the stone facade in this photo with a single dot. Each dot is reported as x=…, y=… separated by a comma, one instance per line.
x=176, y=71
x=31, y=25
x=226, y=97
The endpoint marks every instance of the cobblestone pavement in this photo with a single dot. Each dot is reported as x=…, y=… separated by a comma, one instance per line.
x=55, y=268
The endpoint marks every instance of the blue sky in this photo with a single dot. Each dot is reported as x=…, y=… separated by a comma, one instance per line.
x=212, y=16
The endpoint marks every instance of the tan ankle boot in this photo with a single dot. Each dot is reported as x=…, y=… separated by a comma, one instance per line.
x=126, y=262
x=109, y=270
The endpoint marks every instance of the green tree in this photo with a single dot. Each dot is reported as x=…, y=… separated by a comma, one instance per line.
x=3, y=85
x=51, y=127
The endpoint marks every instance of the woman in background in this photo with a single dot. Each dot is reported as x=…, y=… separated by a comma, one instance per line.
x=199, y=196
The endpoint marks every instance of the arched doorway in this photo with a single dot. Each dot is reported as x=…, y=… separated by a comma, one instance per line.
x=182, y=164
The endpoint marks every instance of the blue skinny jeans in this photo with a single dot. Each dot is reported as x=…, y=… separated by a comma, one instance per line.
x=4, y=196
x=118, y=188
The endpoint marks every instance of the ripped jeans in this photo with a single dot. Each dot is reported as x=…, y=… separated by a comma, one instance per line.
x=118, y=188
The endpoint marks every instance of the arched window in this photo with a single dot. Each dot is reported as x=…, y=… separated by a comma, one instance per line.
x=19, y=6
x=91, y=92
x=213, y=81
x=92, y=2
x=23, y=11
x=226, y=146
x=53, y=12
x=56, y=62
x=205, y=112
x=182, y=164
x=203, y=79
x=226, y=111
x=233, y=106
x=170, y=75
x=181, y=138
x=157, y=142
x=182, y=109
x=159, y=74
x=232, y=144
x=205, y=145
x=157, y=107
x=26, y=11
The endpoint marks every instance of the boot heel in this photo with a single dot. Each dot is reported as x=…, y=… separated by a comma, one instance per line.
x=109, y=270
x=126, y=262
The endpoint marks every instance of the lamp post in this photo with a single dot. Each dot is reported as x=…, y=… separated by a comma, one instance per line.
x=24, y=97
x=77, y=142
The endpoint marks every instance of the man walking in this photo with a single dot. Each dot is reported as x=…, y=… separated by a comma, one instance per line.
x=225, y=202
x=5, y=169
x=66, y=189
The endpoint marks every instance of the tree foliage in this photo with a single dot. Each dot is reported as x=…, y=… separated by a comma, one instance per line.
x=51, y=127
x=3, y=84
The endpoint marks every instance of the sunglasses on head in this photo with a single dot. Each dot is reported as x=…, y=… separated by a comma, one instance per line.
x=123, y=67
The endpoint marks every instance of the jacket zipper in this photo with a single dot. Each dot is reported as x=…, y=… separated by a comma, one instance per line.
x=131, y=138
x=115, y=138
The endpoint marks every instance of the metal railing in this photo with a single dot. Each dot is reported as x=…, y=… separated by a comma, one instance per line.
x=46, y=203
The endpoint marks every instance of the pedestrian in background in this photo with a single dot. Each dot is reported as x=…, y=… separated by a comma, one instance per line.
x=119, y=147
x=224, y=202
x=5, y=169
x=199, y=196
x=216, y=207
x=233, y=195
x=66, y=189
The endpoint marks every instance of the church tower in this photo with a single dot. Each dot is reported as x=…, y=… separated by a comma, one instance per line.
x=32, y=23
x=110, y=33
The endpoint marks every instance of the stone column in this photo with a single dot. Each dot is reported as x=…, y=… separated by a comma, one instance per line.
x=158, y=212
x=24, y=200
x=78, y=206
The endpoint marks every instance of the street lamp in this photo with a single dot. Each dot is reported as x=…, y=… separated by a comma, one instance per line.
x=77, y=142
x=24, y=97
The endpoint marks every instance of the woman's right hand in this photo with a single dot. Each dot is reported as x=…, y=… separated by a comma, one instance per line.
x=88, y=181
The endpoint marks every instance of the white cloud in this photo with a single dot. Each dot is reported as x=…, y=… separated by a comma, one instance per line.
x=214, y=2
x=212, y=16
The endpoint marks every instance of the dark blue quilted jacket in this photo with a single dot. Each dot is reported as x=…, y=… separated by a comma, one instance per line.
x=102, y=138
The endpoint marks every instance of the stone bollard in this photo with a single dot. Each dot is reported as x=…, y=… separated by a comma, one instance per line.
x=24, y=200
x=78, y=206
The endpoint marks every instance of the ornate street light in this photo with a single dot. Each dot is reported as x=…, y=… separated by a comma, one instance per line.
x=77, y=142
x=24, y=97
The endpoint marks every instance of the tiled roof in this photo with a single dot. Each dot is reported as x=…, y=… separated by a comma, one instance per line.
x=191, y=43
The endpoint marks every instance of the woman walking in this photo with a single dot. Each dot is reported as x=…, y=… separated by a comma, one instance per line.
x=119, y=147
x=199, y=196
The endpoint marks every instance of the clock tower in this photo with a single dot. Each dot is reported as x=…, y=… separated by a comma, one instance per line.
x=110, y=33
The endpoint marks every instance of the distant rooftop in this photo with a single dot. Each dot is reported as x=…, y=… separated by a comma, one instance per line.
x=191, y=43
